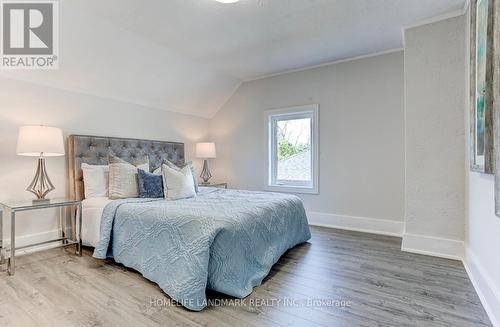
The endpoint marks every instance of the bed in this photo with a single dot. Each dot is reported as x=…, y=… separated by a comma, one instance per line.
x=224, y=240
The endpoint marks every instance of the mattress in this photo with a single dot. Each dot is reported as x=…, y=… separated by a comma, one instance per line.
x=91, y=219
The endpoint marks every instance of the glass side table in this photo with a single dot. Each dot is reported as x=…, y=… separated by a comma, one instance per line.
x=11, y=208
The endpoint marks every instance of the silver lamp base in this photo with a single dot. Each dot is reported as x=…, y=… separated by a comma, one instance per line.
x=205, y=173
x=41, y=184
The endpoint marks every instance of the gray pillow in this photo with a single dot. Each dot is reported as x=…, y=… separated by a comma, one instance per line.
x=123, y=177
x=190, y=163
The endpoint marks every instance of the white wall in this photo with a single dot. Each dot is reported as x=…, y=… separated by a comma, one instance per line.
x=483, y=243
x=435, y=137
x=23, y=103
x=482, y=239
x=361, y=139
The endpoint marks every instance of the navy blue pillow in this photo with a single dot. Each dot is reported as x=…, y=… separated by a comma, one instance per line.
x=150, y=185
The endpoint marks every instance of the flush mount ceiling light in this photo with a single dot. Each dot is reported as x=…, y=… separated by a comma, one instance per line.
x=227, y=1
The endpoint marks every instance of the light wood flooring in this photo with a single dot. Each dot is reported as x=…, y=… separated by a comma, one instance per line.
x=379, y=284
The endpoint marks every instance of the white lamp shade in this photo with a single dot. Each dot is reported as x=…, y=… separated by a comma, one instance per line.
x=205, y=150
x=35, y=140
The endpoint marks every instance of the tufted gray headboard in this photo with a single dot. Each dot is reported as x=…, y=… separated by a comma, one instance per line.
x=94, y=150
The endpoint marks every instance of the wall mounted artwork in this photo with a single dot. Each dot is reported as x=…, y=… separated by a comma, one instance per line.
x=482, y=154
x=495, y=4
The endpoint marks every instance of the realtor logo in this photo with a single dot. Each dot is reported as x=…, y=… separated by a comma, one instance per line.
x=29, y=35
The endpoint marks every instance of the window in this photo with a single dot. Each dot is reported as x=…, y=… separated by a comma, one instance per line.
x=293, y=149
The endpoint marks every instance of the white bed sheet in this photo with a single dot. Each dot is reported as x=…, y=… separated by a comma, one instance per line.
x=91, y=219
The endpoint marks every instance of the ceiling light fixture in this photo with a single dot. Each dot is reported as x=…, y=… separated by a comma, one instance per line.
x=227, y=1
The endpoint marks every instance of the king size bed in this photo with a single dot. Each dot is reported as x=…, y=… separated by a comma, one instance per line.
x=224, y=240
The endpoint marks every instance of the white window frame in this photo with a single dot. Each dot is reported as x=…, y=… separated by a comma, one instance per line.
x=298, y=112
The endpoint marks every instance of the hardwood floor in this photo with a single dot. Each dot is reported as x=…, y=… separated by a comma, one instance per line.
x=379, y=284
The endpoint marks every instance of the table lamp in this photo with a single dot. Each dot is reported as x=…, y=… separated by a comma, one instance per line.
x=205, y=150
x=41, y=142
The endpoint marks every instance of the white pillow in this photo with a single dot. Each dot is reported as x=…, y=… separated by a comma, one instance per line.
x=178, y=183
x=123, y=178
x=95, y=180
x=157, y=171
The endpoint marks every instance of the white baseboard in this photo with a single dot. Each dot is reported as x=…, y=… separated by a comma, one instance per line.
x=488, y=292
x=434, y=246
x=359, y=224
x=32, y=239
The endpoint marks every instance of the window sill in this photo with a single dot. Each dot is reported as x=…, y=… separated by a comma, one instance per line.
x=291, y=189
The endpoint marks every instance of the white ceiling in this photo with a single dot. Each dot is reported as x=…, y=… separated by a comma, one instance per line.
x=190, y=56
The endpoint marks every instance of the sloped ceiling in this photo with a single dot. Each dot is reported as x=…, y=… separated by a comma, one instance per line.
x=190, y=56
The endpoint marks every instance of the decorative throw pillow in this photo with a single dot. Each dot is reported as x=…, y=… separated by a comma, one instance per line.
x=178, y=184
x=123, y=177
x=150, y=185
x=190, y=164
x=95, y=180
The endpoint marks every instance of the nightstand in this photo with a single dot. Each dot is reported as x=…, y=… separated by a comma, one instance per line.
x=216, y=185
x=11, y=208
